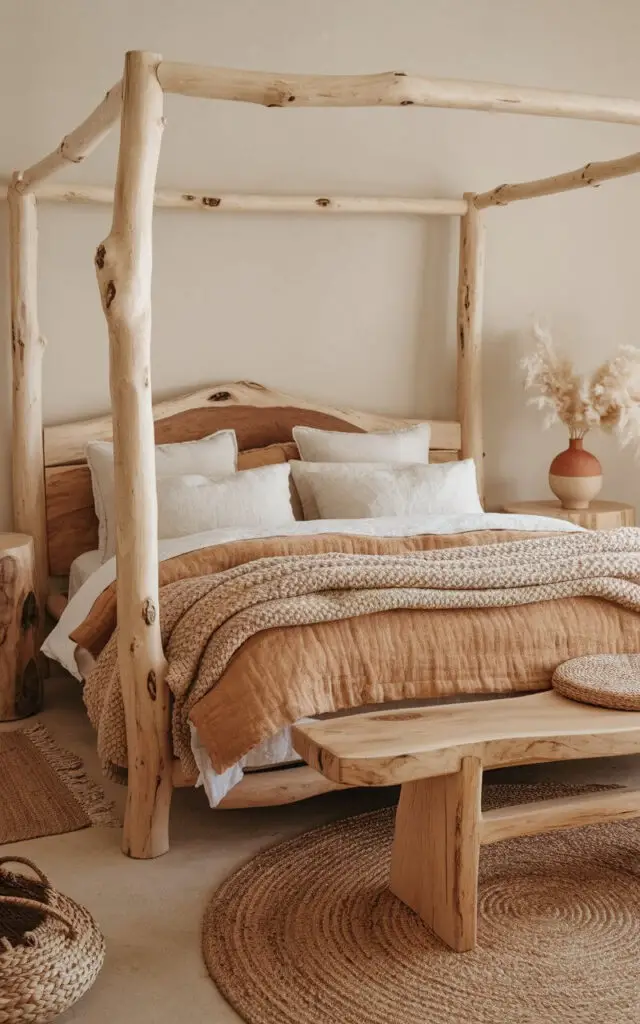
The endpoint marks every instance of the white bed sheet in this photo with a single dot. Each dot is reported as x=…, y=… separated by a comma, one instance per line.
x=278, y=749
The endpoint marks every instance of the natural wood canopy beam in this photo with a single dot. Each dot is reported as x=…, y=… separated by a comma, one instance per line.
x=391, y=88
x=79, y=143
x=238, y=202
x=591, y=175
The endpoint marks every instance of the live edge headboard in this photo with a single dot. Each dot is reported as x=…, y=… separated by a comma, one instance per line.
x=259, y=416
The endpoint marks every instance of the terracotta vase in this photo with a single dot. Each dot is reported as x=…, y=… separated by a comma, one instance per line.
x=575, y=476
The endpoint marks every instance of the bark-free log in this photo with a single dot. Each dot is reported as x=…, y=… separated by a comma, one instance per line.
x=123, y=263
x=79, y=143
x=27, y=345
x=20, y=684
x=589, y=176
x=470, y=304
x=213, y=201
x=391, y=88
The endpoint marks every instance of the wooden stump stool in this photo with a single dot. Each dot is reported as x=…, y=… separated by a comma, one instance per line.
x=20, y=682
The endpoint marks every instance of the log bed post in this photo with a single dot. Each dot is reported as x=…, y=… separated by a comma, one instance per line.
x=123, y=263
x=27, y=346
x=469, y=333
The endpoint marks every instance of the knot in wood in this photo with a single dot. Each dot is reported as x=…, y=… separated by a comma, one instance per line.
x=29, y=615
x=210, y=201
x=101, y=252
x=188, y=197
x=406, y=103
x=277, y=96
x=110, y=294
x=323, y=201
x=219, y=396
x=148, y=611
x=151, y=685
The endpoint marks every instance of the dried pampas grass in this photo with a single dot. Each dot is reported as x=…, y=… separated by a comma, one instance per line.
x=608, y=398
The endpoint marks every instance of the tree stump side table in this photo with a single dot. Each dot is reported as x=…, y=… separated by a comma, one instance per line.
x=20, y=679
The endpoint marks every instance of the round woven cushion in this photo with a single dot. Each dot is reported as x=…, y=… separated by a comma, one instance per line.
x=608, y=680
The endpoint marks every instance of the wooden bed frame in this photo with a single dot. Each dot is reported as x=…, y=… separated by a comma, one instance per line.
x=263, y=421
x=123, y=264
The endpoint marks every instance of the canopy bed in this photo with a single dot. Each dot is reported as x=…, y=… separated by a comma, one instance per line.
x=51, y=487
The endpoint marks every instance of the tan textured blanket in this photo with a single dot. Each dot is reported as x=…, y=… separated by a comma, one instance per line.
x=254, y=647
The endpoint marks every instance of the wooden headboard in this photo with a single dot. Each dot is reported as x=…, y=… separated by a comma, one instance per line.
x=259, y=416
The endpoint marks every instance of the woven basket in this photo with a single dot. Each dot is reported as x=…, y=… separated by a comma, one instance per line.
x=50, y=948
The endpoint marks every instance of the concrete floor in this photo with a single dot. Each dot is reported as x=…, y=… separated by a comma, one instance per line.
x=150, y=912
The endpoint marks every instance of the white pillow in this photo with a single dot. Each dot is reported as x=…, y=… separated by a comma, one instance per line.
x=411, y=444
x=254, y=498
x=407, y=445
x=212, y=456
x=368, y=490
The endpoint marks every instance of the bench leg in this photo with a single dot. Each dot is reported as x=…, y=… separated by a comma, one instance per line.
x=436, y=848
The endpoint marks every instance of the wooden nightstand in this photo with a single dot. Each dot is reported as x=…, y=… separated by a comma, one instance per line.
x=601, y=515
x=20, y=681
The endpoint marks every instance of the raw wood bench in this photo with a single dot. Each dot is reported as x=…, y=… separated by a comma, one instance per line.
x=437, y=755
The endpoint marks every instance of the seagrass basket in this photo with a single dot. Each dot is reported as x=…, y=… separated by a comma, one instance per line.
x=50, y=948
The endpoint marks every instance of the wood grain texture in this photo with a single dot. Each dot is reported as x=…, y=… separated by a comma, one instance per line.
x=601, y=515
x=562, y=812
x=72, y=524
x=391, y=747
x=123, y=265
x=268, y=788
x=435, y=852
x=390, y=88
x=234, y=405
x=214, y=202
x=469, y=325
x=79, y=143
x=589, y=176
x=27, y=349
x=20, y=682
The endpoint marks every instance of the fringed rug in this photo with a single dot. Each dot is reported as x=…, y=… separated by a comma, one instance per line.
x=44, y=790
x=308, y=932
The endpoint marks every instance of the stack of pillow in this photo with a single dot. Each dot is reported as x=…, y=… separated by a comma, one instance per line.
x=338, y=476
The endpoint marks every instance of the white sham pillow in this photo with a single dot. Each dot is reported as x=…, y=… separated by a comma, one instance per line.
x=252, y=498
x=370, y=490
x=213, y=456
x=410, y=444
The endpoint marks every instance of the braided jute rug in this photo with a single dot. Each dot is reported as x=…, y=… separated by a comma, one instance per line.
x=45, y=790
x=308, y=932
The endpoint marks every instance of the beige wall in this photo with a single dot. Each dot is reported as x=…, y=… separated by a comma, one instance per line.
x=353, y=311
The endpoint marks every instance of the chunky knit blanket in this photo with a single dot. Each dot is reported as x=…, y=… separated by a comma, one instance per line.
x=207, y=620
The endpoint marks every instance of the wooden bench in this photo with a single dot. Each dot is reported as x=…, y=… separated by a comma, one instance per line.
x=437, y=755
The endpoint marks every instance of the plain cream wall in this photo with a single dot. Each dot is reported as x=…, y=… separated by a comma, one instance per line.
x=346, y=310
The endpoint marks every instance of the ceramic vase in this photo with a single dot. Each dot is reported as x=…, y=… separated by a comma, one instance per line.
x=575, y=476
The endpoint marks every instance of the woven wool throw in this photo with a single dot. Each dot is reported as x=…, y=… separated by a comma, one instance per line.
x=206, y=620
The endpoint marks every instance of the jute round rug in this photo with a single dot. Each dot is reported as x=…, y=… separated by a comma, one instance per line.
x=308, y=933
